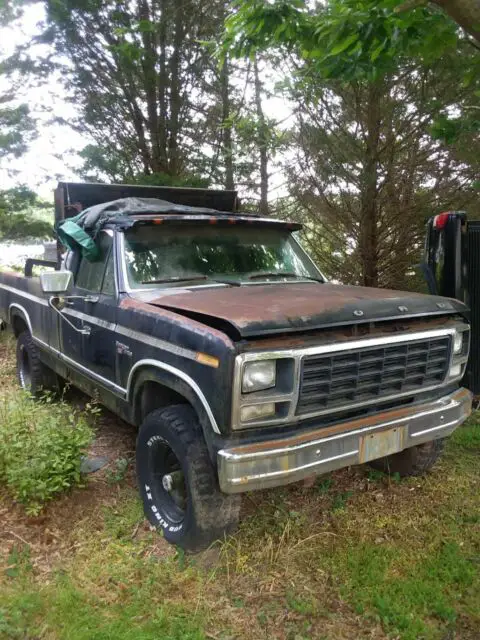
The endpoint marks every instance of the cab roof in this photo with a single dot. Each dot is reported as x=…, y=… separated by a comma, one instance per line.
x=220, y=218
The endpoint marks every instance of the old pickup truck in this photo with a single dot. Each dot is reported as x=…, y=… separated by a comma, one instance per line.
x=213, y=332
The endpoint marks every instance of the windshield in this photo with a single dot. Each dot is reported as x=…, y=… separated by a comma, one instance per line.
x=170, y=254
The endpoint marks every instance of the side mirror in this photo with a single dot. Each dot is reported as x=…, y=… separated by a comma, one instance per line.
x=55, y=282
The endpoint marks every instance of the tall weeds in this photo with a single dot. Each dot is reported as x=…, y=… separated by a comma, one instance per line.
x=41, y=447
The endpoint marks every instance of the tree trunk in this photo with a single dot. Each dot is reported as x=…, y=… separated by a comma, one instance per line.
x=149, y=59
x=175, y=89
x=465, y=12
x=162, y=83
x=262, y=142
x=368, y=236
x=227, y=143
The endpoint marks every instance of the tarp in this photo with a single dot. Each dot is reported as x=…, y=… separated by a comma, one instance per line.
x=80, y=232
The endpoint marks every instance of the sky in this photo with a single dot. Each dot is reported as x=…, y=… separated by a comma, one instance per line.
x=54, y=150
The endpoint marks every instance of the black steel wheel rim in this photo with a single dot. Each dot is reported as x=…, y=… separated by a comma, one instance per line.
x=169, y=490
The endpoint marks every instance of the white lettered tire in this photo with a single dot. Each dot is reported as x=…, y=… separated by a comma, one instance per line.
x=177, y=482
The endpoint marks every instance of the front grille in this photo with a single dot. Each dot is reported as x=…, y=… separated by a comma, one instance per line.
x=363, y=376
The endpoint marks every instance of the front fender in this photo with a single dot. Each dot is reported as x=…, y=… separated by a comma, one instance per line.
x=177, y=380
x=16, y=310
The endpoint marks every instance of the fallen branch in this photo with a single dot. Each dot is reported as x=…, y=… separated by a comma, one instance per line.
x=15, y=535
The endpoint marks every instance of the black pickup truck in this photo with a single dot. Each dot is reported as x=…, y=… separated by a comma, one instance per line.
x=213, y=332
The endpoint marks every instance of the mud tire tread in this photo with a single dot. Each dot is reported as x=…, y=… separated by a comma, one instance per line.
x=212, y=514
x=43, y=379
x=414, y=461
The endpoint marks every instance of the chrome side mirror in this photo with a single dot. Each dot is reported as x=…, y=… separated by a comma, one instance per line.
x=56, y=282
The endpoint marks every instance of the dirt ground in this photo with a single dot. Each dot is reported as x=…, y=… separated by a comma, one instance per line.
x=352, y=557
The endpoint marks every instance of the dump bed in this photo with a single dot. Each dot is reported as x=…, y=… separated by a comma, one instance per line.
x=73, y=197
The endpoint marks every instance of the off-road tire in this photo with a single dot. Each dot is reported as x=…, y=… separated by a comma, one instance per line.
x=414, y=461
x=32, y=375
x=208, y=513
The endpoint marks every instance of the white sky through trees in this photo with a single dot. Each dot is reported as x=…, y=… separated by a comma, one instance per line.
x=53, y=155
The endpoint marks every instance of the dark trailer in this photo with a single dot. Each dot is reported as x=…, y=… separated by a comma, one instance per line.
x=73, y=197
x=452, y=256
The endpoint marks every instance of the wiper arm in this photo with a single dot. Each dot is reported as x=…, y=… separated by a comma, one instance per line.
x=232, y=283
x=174, y=279
x=282, y=274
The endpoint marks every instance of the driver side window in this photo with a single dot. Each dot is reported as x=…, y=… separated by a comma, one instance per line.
x=91, y=275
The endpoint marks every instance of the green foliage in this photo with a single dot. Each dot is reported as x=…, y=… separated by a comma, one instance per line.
x=340, y=500
x=344, y=38
x=402, y=597
x=466, y=439
x=120, y=523
x=41, y=445
x=17, y=128
x=76, y=615
x=103, y=163
x=119, y=471
x=148, y=93
x=18, y=221
x=166, y=180
x=18, y=561
x=370, y=156
x=349, y=40
x=324, y=484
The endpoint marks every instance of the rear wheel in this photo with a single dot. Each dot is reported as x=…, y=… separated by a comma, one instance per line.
x=414, y=461
x=32, y=374
x=177, y=481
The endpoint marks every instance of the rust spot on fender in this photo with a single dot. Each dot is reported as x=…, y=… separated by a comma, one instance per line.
x=132, y=304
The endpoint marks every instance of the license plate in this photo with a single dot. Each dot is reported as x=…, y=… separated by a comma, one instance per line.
x=382, y=443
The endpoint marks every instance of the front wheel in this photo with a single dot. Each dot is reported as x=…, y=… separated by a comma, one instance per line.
x=177, y=481
x=414, y=461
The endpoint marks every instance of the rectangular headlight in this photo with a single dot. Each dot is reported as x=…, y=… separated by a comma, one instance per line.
x=259, y=375
x=455, y=370
x=257, y=411
x=458, y=342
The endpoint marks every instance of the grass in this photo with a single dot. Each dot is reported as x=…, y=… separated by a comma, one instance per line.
x=357, y=556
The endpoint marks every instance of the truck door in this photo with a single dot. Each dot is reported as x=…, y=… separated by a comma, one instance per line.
x=93, y=355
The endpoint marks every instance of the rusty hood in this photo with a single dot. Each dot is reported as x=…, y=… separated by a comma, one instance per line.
x=260, y=310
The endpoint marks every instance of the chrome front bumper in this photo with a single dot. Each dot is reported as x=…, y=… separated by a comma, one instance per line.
x=284, y=460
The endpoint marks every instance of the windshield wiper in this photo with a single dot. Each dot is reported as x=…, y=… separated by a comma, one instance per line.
x=282, y=274
x=193, y=278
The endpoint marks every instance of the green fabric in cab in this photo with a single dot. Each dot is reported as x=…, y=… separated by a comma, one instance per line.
x=75, y=238
x=78, y=233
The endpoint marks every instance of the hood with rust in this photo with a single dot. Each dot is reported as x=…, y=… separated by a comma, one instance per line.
x=260, y=310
